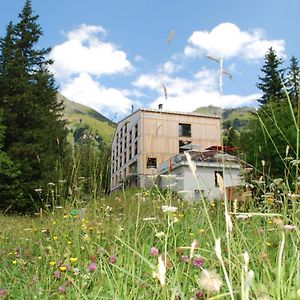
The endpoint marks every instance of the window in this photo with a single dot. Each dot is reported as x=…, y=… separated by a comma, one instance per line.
x=216, y=180
x=125, y=157
x=136, y=148
x=130, y=136
x=181, y=144
x=130, y=153
x=136, y=128
x=151, y=162
x=185, y=130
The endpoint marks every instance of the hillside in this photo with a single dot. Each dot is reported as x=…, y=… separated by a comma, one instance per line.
x=77, y=113
x=239, y=116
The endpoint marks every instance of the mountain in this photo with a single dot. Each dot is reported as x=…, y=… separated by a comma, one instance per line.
x=78, y=114
x=239, y=116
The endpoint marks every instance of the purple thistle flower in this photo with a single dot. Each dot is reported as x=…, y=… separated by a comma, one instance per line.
x=154, y=251
x=199, y=295
x=198, y=262
x=57, y=274
x=112, y=259
x=92, y=267
x=185, y=258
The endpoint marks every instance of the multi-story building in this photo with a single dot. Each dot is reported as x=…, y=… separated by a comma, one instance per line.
x=147, y=137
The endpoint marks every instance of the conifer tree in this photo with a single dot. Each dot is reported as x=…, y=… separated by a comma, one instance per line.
x=35, y=136
x=273, y=77
x=293, y=83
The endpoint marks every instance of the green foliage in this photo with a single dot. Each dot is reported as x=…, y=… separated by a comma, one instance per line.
x=35, y=137
x=271, y=81
x=293, y=81
x=230, y=136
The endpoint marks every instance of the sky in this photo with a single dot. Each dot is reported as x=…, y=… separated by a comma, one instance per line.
x=117, y=55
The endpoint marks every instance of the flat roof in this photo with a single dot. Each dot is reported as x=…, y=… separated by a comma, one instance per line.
x=170, y=112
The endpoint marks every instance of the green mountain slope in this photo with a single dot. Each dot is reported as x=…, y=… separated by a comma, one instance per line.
x=239, y=116
x=78, y=114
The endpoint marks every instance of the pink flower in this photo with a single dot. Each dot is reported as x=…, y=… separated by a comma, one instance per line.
x=185, y=258
x=198, y=262
x=57, y=274
x=112, y=259
x=199, y=295
x=62, y=289
x=3, y=293
x=154, y=251
x=92, y=267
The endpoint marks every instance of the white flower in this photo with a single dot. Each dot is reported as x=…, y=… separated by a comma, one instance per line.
x=160, y=234
x=290, y=227
x=210, y=281
x=169, y=209
x=218, y=249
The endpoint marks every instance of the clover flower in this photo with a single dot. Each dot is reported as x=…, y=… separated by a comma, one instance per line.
x=154, y=251
x=92, y=267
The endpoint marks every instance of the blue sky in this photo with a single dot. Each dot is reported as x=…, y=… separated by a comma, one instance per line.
x=113, y=54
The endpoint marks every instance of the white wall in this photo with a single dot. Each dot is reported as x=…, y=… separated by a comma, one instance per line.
x=205, y=181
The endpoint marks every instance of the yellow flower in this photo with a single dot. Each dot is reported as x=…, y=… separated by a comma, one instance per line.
x=270, y=222
x=73, y=260
x=201, y=230
x=268, y=244
x=66, y=216
x=69, y=242
x=39, y=257
x=55, y=238
x=213, y=204
x=180, y=215
x=14, y=262
x=54, y=222
x=62, y=268
x=52, y=263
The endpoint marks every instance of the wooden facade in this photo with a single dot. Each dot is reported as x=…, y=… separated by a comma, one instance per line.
x=147, y=137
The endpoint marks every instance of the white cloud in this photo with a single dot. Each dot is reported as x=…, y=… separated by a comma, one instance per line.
x=84, y=51
x=83, y=89
x=229, y=40
x=170, y=67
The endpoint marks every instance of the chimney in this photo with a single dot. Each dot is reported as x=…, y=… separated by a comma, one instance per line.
x=160, y=106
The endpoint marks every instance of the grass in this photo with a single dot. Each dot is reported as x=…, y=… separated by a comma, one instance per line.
x=102, y=250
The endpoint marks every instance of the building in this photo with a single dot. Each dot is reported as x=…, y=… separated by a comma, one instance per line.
x=148, y=137
x=208, y=164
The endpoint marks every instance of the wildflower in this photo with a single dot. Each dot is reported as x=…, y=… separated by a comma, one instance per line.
x=154, y=251
x=169, y=209
x=14, y=262
x=52, y=263
x=210, y=281
x=73, y=260
x=76, y=271
x=51, y=184
x=199, y=295
x=55, y=238
x=92, y=267
x=3, y=293
x=112, y=259
x=62, y=289
x=185, y=258
x=57, y=274
x=218, y=249
x=149, y=219
x=63, y=268
x=198, y=262
x=201, y=230
x=160, y=234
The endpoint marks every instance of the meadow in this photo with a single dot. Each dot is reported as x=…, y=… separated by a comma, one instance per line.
x=145, y=244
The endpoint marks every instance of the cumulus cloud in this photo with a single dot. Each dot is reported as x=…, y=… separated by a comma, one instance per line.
x=229, y=40
x=87, y=91
x=85, y=51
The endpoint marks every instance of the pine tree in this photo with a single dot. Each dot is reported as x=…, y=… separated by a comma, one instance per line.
x=271, y=83
x=36, y=136
x=293, y=83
